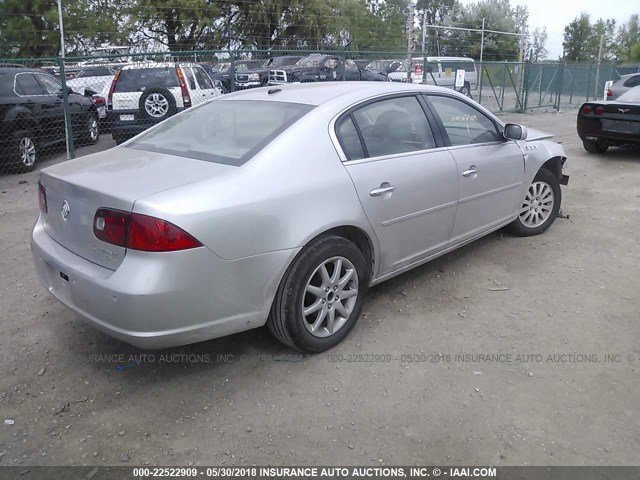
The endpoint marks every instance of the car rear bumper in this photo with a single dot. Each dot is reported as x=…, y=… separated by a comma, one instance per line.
x=591, y=130
x=158, y=300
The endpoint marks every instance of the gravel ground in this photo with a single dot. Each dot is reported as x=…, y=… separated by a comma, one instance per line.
x=553, y=306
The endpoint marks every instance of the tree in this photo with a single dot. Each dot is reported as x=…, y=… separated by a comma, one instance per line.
x=634, y=53
x=537, y=45
x=628, y=37
x=577, y=38
x=498, y=15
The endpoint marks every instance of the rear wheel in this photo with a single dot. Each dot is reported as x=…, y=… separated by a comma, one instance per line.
x=540, y=205
x=320, y=297
x=594, y=147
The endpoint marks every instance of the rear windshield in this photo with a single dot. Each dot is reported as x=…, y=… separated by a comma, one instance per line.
x=222, y=131
x=134, y=80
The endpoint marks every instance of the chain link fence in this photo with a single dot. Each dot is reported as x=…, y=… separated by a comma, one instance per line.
x=52, y=109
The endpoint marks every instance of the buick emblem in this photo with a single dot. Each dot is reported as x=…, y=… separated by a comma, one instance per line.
x=623, y=110
x=66, y=210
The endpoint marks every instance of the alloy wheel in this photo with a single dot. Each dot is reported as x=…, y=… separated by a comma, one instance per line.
x=330, y=297
x=27, y=151
x=156, y=105
x=537, y=205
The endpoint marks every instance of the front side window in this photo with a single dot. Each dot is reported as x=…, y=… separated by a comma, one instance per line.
x=393, y=126
x=26, y=84
x=463, y=123
x=223, y=131
x=50, y=85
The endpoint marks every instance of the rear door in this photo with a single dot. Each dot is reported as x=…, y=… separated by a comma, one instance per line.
x=407, y=185
x=490, y=168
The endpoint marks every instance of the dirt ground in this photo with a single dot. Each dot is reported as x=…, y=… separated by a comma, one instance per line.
x=494, y=354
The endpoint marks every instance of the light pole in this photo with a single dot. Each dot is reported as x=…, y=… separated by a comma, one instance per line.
x=71, y=151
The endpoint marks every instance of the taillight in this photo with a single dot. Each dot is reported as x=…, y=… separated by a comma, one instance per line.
x=97, y=99
x=186, y=98
x=140, y=232
x=586, y=109
x=42, y=198
x=609, y=92
x=112, y=88
x=598, y=110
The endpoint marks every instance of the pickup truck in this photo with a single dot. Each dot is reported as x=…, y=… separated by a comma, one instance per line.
x=258, y=76
x=321, y=68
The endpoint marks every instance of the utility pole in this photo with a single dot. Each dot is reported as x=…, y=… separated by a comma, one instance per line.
x=410, y=20
x=595, y=96
x=424, y=45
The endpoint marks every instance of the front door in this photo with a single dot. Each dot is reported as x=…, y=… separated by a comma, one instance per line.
x=490, y=168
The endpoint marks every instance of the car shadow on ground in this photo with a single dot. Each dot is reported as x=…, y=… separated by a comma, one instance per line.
x=254, y=347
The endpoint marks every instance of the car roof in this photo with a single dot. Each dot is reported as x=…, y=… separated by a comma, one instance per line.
x=20, y=70
x=321, y=93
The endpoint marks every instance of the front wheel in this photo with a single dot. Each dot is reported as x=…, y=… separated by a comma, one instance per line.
x=25, y=151
x=320, y=297
x=540, y=205
x=466, y=89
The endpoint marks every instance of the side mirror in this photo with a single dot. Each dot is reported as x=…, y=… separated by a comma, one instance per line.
x=513, y=131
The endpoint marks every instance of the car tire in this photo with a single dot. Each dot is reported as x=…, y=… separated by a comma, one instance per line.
x=540, y=206
x=594, y=147
x=157, y=104
x=466, y=90
x=25, y=150
x=91, y=129
x=311, y=286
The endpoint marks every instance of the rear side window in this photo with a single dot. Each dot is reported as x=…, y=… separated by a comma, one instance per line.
x=50, y=85
x=633, y=81
x=190, y=78
x=134, y=80
x=26, y=84
x=203, y=79
x=349, y=139
x=394, y=126
x=223, y=131
x=453, y=66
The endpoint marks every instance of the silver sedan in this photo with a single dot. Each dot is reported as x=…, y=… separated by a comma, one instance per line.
x=282, y=206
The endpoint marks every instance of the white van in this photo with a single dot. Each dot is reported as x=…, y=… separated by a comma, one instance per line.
x=440, y=71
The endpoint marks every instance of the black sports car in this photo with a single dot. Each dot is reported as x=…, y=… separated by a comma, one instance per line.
x=605, y=124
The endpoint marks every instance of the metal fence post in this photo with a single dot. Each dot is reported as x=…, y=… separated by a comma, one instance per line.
x=559, y=88
x=71, y=149
x=232, y=72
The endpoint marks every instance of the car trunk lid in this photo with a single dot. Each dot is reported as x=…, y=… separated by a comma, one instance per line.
x=113, y=179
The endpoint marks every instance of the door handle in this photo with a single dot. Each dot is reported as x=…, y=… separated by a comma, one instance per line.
x=471, y=171
x=384, y=188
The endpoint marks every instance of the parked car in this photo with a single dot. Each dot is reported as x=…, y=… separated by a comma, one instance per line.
x=32, y=116
x=95, y=78
x=144, y=94
x=624, y=84
x=384, y=66
x=612, y=123
x=321, y=68
x=440, y=71
x=219, y=75
x=258, y=76
x=282, y=206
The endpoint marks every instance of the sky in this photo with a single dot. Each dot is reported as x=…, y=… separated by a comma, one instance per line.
x=556, y=14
